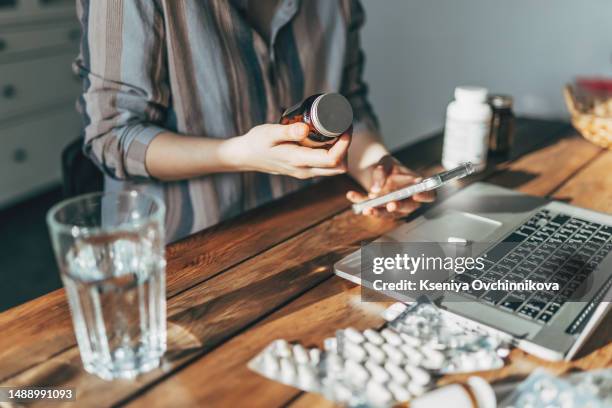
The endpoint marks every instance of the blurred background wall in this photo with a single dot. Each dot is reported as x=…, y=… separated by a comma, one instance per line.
x=419, y=50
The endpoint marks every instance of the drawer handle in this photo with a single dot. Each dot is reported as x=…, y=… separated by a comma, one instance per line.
x=9, y=91
x=20, y=155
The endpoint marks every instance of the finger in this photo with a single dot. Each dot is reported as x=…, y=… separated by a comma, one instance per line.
x=356, y=197
x=425, y=197
x=319, y=172
x=288, y=133
x=402, y=207
x=397, y=181
x=338, y=151
x=306, y=157
x=379, y=212
x=379, y=177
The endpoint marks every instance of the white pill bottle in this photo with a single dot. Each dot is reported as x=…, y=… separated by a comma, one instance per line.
x=468, y=123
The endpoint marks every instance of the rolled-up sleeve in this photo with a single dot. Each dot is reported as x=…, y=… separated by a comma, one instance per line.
x=125, y=90
x=353, y=85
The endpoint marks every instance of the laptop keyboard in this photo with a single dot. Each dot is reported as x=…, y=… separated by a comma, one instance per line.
x=546, y=248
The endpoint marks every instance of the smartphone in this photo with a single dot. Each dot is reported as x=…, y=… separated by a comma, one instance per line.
x=430, y=183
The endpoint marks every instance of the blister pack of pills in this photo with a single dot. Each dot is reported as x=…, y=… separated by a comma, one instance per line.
x=443, y=344
x=591, y=389
x=380, y=368
x=291, y=364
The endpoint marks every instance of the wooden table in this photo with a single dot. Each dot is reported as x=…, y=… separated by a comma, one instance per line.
x=268, y=274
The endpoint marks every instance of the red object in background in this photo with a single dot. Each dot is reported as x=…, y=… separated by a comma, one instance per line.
x=594, y=84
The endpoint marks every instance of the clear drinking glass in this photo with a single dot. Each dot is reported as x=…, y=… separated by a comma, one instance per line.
x=110, y=251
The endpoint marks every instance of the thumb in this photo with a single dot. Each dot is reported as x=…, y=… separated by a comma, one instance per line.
x=379, y=176
x=288, y=133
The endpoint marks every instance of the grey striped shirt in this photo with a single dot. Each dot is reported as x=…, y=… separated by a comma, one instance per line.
x=197, y=67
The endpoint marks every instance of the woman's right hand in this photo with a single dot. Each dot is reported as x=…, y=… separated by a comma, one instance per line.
x=274, y=149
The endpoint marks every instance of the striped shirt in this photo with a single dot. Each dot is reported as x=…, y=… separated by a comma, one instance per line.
x=197, y=67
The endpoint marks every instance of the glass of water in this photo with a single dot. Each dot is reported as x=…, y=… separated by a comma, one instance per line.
x=110, y=251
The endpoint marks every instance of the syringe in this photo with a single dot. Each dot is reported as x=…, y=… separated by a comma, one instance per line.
x=430, y=183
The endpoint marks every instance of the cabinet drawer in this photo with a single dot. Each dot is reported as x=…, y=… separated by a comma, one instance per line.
x=30, y=152
x=18, y=11
x=37, y=83
x=14, y=41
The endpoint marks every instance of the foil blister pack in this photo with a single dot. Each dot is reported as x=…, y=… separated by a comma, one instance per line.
x=381, y=367
x=591, y=389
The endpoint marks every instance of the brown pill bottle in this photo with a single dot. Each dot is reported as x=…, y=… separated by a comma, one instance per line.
x=328, y=116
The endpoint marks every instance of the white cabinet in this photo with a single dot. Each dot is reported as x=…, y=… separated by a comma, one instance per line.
x=39, y=39
x=20, y=11
x=23, y=88
x=31, y=151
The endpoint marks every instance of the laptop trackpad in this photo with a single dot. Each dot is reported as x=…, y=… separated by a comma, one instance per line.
x=448, y=223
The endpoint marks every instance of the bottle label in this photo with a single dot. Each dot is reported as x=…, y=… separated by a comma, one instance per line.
x=466, y=141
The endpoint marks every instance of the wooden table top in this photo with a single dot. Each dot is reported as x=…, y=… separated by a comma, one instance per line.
x=267, y=274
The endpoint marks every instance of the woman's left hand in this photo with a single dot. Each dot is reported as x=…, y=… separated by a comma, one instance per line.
x=386, y=176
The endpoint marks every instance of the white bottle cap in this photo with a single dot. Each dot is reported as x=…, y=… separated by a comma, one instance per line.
x=480, y=390
x=471, y=94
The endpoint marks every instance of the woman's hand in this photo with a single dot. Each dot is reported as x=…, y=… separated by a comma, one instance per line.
x=389, y=175
x=274, y=149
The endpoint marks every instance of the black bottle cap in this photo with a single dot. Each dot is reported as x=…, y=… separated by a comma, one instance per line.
x=331, y=114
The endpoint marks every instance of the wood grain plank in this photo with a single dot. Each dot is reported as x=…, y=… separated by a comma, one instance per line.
x=219, y=361
x=543, y=171
x=591, y=187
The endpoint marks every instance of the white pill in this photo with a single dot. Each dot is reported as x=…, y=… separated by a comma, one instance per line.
x=314, y=354
x=398, y=374
x=400, y=393
x=410, y=340
x=418, y=375
x=287, y=371
x=435, y=345
x=334, y=363
x=300, y=354
x=457, y=240
x=413, y=356
x=375, y=352
x=378, y=373
x=434, y=359
x=393, y=353
x=378, y=394
x=282, y=348
x=416, y=389
x=467, y=364
x=354, y=335
x=356, y=373
x=374, y=337
x=307, y=378
x=354, y=352
x=330, y=344
x=342, y=393
x=392, y=337
x=270, y=364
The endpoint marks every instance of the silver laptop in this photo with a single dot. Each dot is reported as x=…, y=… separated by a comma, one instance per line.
x=531, y=232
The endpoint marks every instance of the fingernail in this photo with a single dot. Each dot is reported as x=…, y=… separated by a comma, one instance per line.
x=375, y=188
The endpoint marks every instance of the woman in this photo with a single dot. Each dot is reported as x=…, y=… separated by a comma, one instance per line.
x=180, y=97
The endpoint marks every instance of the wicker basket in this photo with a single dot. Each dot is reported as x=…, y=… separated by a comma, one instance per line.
x=591, y=116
